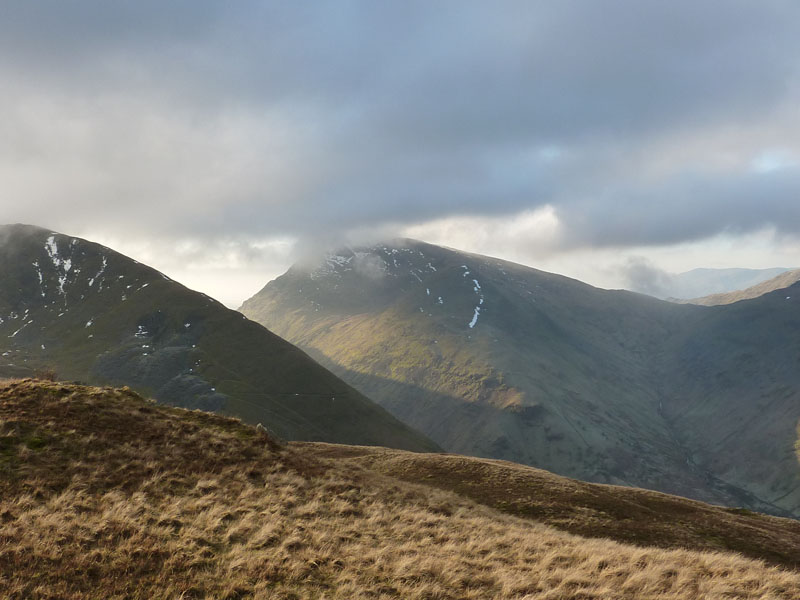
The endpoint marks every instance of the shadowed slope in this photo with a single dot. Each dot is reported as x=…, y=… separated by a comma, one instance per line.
x=499, y=360
x=92, y=314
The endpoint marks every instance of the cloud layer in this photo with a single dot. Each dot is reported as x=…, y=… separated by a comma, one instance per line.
x=632, y=123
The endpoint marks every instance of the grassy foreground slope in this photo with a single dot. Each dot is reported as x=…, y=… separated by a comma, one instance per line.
x=104, y=494
x=631, y=515
x=94, y=315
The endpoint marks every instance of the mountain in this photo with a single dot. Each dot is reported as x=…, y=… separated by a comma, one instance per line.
x=106, y=495
x=704, y=282
x=778, y=282
x=498, y=360
x=90, y=314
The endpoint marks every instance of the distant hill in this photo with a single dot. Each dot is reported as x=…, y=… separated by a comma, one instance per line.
x=106, y=495
x=704, y=282
x=90, y=314
x=498, y=360
x=779, y=282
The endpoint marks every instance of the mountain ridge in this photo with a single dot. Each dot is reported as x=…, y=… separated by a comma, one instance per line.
x=500, y=360
x=94, y=315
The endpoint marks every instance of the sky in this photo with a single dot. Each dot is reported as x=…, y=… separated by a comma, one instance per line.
x=219, y=141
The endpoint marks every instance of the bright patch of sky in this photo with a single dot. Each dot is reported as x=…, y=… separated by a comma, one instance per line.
x=773, y=160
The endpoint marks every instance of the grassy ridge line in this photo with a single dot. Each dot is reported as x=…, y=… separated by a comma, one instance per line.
x=107, y=495
x=631, y=515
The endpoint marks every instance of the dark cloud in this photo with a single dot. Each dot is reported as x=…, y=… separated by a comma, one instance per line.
x=686, y=207
x=248, y=119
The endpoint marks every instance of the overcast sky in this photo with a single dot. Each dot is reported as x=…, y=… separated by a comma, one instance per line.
x=219, y=140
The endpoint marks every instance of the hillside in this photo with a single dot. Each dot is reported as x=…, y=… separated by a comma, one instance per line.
x=90, y=314
x=778, y=282
x=498, y=360
x=631, y=515
x=104, y=494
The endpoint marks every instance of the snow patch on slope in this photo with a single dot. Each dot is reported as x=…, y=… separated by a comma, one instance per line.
x=478, y=292
x=475, y=317
x=62, y=265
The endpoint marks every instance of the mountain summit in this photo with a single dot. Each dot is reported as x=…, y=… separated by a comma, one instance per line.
x=92, y=314
x=500, y=360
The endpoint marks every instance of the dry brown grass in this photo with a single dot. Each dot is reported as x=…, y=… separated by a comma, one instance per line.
x=104, y=495
x=630, y=515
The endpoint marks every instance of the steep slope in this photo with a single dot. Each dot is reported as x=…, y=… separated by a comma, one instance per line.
x=106, y=495
x=734, y=394
x=778, y=282
x=94, y=315
x=499, y=360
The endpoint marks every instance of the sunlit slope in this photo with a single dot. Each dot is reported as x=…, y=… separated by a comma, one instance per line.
x=106, y=495
x=500, y=360
x=91, y=314
x=779, y=282
x=704, y=282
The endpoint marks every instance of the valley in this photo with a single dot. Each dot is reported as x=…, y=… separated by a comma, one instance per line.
x=499, y=360
x=73, y=309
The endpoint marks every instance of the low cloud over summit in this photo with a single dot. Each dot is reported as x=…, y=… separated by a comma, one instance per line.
x=634, y=124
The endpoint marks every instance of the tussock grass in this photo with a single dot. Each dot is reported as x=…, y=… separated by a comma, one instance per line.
x=119, y=498
x=631, y=515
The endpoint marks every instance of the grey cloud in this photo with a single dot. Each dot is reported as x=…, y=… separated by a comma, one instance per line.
x=369, y=265
x=640, y=275
x=256, y=119
x=686, y=207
